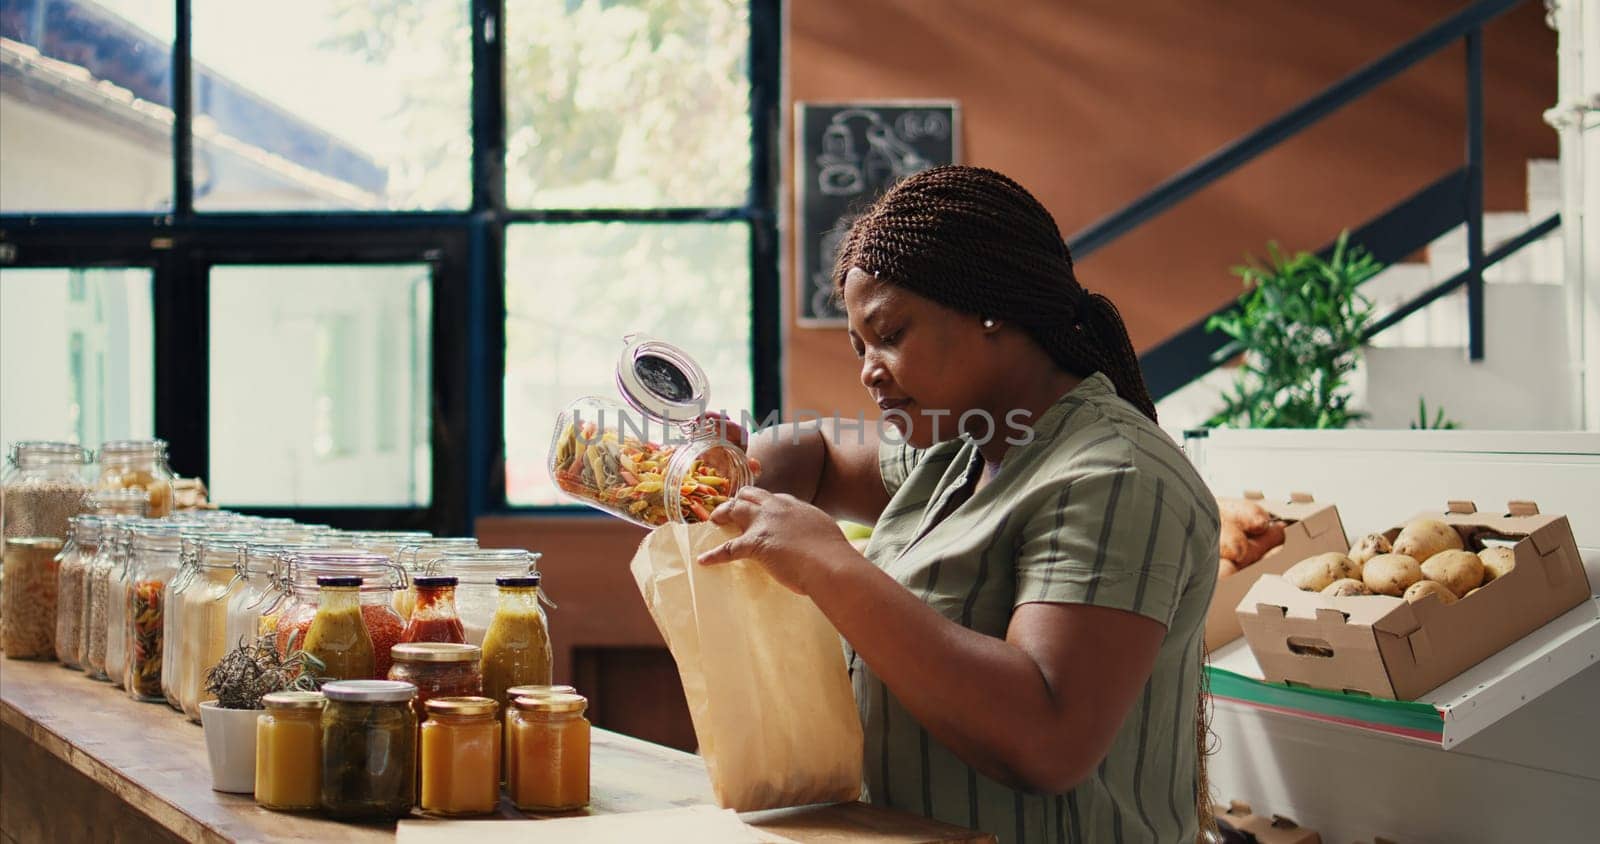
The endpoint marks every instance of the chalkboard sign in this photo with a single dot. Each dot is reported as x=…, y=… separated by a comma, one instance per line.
x=846, y=156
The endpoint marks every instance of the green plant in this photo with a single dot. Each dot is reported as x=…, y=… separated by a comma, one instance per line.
x=1439, y=422
x=1299, y=327
x=252, y=671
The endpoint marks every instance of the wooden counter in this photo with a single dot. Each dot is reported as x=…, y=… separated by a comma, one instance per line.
x=79, y=761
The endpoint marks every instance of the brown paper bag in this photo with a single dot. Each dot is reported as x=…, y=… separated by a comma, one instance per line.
x=763, y=671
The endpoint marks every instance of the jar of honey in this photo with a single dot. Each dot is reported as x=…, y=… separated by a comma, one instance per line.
x=510, y=759
x=550, y=740
x=461, y=757
x=289, y=751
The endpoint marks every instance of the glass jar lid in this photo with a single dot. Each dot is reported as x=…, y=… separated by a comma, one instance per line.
x=463, y=706
x=339, y=582
x=369, y=691
x=436, y=652
x=539, y=691
x=661, y=380
x=48, y=452
x=36, y=543
x=521, y=581
x=132, y=502
x=552, y=703
x=294, y=700
x=481, y=566
x=130, y=449
x=435, y=582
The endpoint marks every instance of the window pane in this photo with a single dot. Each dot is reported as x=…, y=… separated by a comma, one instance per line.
x=627, y=103
x=85, y=105
x=332, y=104
x=76, y=355
x=573, y=291
x=320, y=378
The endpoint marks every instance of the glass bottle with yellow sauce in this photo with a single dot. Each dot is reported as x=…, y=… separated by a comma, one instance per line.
x=461, y=757
x=289, y=751
x=516, y=647
x=509, y=759
x=338, y=634
x=550, y=740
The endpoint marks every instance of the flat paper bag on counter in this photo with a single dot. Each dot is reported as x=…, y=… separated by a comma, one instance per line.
x=762, y=669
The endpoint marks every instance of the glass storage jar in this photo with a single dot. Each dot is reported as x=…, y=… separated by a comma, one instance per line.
x=256, y=595
x=380, y=578
x=657, y=459
x=72, y=570
x=460, y=749
x=510, y=759
x=419, y=558
x=119, y=502
x=28, y=597
x=475, y=573
x=138, y=464
x=438, y=669
x=289, y=751
x=192, y=537
x=156, y=546
x=99, y=607
x=550, y=743
x=219, y=574
x=369, y=749
x=44, y=488
x=118, y=574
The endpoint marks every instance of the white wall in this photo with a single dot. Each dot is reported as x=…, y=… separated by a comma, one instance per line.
x=54, y=161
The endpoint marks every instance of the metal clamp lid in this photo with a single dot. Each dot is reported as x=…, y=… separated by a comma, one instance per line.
x=661, y=380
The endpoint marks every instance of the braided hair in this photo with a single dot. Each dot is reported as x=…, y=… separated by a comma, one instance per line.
x=972, y=239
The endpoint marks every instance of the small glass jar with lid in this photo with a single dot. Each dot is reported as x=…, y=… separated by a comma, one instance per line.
x=43, y=488
x=369, y=749
x=156, y=547
x=72, y=571
x=138, y=464
x=460, y=749
x=550, y=743
x=509, y=760
x=289, y=751
x=219, y=573
x=657, y=459
x=475, y=572
x=419, y=559
x=380, y=578
x=438, y=669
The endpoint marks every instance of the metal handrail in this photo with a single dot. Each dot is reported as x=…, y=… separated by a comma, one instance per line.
x=1239, y=152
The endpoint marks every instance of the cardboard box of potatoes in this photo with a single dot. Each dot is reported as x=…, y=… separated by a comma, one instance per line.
x=1410, y=608
x=1261, y=537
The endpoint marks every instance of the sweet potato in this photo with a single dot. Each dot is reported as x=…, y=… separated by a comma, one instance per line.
x=1232, y=542
x=1498, y=561
x=1423, y=588
x=1369, y=546
x=1257, y=547
x=1251, y=517
x=1423, y=538
x=1391, y=574
x=1314, y=574
x=1459, y=571
x=1345, y=588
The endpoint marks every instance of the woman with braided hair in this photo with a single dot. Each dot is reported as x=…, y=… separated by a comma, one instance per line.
x=1025, y=625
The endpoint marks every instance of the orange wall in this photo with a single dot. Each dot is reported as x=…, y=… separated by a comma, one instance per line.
x=1093, y=102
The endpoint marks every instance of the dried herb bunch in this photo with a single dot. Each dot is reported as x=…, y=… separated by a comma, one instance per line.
x=252, y=671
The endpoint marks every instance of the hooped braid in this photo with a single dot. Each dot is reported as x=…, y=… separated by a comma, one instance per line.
x=974, y=240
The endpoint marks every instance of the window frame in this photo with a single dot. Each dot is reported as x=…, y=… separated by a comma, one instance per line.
x=465, y=249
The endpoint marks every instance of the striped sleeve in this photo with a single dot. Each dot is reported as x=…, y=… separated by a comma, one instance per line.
x=1108, y=539
x=895, y=462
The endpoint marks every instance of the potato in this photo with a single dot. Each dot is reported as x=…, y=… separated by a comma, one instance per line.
x=1390, y=574
x=1370, y=546
x=1498, y=561
x=1459, y=571
x=1346, y=587
x=1257, y=546
x=1231, y=542
x=1423, y=538
x=1314, y=574
x=1423, y=588
x=1226, y=568
x=1250, y=517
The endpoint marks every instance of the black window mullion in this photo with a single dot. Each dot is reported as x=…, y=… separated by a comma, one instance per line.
x=766, y=354
x=182, y=114
x=488, y=106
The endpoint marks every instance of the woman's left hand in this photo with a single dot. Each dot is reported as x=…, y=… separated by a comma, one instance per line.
x=794, y=540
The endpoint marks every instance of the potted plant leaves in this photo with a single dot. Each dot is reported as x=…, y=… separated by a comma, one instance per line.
x=240, y=680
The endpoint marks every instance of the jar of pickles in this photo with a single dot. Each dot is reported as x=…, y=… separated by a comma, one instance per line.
x=461, y=757
x=419, y=559
x=289, y=751
x=438, y=669
x=138, y=464
x=369, y=749
x=475, y=572
x=218, y=575
x=550, y=745
x=656, y=459
x=380, y=578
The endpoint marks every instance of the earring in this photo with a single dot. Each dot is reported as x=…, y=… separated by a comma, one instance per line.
x=989, y=323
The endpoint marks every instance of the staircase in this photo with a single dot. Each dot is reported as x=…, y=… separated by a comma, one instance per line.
x=1524, y=381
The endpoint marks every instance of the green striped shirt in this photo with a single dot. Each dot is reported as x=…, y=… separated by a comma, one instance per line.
x=1101, y=508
